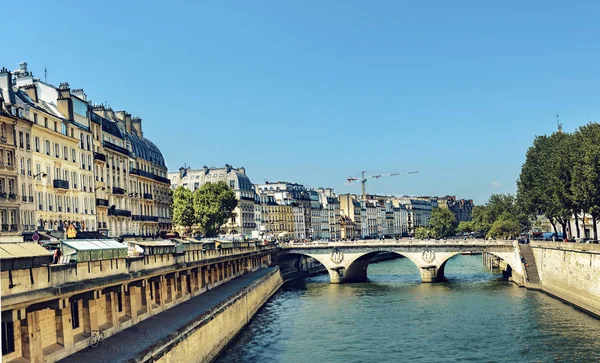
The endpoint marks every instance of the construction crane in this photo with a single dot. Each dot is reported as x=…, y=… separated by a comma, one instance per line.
x=363, y=179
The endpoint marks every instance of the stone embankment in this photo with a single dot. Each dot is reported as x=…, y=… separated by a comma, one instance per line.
x=196, y=330
x=569, y=272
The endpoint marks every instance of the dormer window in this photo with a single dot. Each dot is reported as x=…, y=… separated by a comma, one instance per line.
x=13, y=111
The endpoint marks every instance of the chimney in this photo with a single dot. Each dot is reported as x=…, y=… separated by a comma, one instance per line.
x=136, y=124
x=64, y=102
x=182, y=173
x=5, y=84
x=79, y=93
x=128, y=122
x=31, y=91
x=23, y=76
x=99, y=110
x=110, y=114
x=242, y=170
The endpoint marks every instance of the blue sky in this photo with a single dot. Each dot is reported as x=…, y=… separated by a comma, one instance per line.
x=316, y=91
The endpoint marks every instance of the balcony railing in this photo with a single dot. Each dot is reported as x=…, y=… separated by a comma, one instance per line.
x=24, y=198
x=101, y=225
x=147, y=196
x=116, y=190
x=30, y=199
x=101, y=202
x=116, y=148
x=149, y=175
x=9, y=227
x=12, y=196
x=100, y=157
x=61, y=184
x=140, y=218
x=119, y=213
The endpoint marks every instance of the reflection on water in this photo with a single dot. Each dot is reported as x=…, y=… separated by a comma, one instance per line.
x=475, y=316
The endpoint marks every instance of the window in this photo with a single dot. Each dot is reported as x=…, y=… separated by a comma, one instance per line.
x=232, y=184
x=64, y=129
x=75, y=314
x=47, y=145
x=8, y=337
x=55, y=126
x=66, y=153
x=21, y=139
x=45, y=121
x=35, y=118
x=120, y=301
x=27, y=143
x=57, y=150
x=37, y=144
x=88, y=142
x=73, y=155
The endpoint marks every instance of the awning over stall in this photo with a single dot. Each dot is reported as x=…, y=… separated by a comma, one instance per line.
x=15, y=256
x=93, y=249
x=154, y=247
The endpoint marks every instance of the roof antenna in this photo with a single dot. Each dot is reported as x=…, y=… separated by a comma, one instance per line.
x=558, y=124
x=45, y=74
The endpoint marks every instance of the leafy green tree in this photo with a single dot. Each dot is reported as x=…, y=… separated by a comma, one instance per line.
x=465, y=227
x=213, y=206
x=544, y=185
x=442, y=223
x=506, y=226
x=480, y=222
x=422, y=233
x=183, y=208
x=586, y=172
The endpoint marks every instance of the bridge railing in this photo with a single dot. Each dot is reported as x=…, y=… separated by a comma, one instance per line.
x=408, y=242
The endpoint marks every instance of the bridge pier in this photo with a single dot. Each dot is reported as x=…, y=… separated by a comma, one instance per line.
x=432, y=274
x=341, y=275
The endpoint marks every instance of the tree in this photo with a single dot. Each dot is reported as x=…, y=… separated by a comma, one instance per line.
x=213, y=206
x=586, y=172
x=183, y=208
x=506, y=226
x=422, y=233
x=442, y=223
x=465, y=227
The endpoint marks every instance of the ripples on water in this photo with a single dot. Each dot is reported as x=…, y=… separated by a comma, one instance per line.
x=475, y=316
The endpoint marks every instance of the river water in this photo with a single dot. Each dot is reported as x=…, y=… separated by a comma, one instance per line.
x=475, y=316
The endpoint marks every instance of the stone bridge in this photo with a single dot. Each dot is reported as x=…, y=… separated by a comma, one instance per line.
x=348, y=261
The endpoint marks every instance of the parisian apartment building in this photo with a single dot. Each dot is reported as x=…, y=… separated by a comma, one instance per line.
x=290, y=211
x=65, y=161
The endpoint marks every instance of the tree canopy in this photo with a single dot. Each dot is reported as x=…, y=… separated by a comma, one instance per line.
x=561, y=177
x=183, y=208
x=422, y=233
x=213, y=206
x=442, y=223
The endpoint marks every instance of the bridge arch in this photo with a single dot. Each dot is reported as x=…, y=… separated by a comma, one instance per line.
x=348, y=263
x=357, y=270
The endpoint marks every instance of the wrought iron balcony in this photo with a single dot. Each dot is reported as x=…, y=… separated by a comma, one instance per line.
x=141, y=218
x=119, y=212
x=145, y=174
x=101, y=202
x=117, y=148
x=147, y=196
x=31, y=199
x=61, y=184
x=116, y=190
x=100, y=157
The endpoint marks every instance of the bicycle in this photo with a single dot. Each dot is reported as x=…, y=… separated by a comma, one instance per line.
x=96, y=338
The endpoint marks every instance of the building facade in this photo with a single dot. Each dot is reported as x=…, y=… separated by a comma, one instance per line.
x=71, y=169
x=243, y=221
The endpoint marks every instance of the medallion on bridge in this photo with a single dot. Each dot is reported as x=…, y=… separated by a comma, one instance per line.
x=337, y=256
x=428, y=255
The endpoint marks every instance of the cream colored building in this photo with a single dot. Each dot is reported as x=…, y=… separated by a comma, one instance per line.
x=64, y=177
x=242, y=223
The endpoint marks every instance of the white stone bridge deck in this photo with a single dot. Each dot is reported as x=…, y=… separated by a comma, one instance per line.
x=348, y=260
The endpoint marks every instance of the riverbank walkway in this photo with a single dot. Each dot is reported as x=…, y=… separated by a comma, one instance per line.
x=131, y=342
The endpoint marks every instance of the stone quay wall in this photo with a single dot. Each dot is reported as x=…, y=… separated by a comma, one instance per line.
x=570, y=272
x=207, y=336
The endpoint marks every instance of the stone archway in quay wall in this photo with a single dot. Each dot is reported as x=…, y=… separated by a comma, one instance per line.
x=350, y=263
